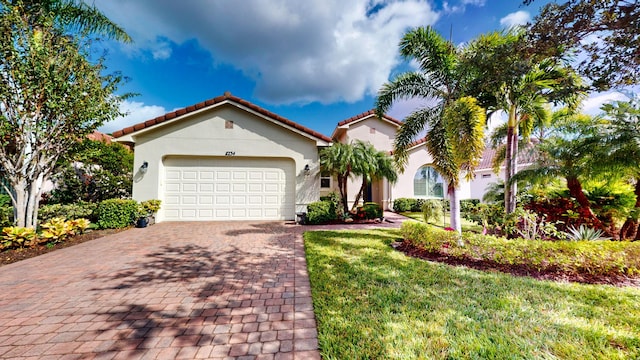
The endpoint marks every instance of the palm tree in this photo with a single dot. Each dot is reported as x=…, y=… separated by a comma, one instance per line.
x=68, y=16
x=372, y=165
x=621, y=138
x=520, y=84
x=337, y=160
x=569, y=154
x=454, y=124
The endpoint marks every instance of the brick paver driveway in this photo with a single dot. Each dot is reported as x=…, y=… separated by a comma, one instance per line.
x=173, y=290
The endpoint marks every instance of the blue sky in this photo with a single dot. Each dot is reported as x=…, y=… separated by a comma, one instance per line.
x=315, y=62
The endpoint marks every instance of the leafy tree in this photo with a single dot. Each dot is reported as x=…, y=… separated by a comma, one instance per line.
x=612, y=59
x=93, y=171
x=454, y=124
x=371, y=164
x=505, y=78
x=51, y=95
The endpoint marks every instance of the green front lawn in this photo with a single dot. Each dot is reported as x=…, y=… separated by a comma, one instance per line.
x=372, y=302
x=466, y=224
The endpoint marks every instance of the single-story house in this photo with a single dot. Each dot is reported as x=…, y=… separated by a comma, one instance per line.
x=229, y=159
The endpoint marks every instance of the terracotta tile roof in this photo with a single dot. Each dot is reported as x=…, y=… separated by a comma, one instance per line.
x=217, y=100
x=526, y=155
x=365, y=114
x=98, y=136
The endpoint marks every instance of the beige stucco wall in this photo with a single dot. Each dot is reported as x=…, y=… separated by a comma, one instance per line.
x=381, y=138
x=479, y=184
x=204, y=134
x=418, y=157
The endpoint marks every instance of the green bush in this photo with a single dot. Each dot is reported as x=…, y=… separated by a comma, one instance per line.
x=6, y=216
x=116, y=213
x=617, y=258
x=68, y=211
x=334, y=198
x=416, y=205
x=321, y=212
x=5, y=200
x=467, y=205
x=402, y=204
x=431, y=209
x=371, y=210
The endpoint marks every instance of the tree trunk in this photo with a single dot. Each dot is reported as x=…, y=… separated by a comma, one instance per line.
x=342, y=187
x=26, y=200
x=454, y=203
x=360, y=193
x=630, y=228
x=575, y=189
x=511, y=162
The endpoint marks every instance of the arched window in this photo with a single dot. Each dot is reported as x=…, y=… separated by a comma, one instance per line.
x=428, y=183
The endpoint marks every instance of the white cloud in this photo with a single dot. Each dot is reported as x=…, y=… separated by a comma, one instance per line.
x=461, y=7
x=295, y=51
x=593, y=103
x=515, y=19
x=137, y=112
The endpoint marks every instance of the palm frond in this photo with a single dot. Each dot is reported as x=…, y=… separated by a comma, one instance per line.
x=404, y=86
x=408, y=133
x=87, y=18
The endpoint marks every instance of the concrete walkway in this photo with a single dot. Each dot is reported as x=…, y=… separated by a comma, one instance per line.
x=173, y=290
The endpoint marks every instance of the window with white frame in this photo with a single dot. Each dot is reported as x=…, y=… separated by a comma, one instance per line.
x=325, y=180
x=427, y=183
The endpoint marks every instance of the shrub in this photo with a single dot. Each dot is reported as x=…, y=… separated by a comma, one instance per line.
x=573, y=257
x=151, y=206
x=335, y=199
x=17, y=237
x=467, y=205
x=416, y=205
x=79, y=226
x=69, y=211
x=370, y=210
x=402, y=204
x=56, y=230
x=431, y=209
x=585, y=233
x=5, y=200
x=116, y=213
x=6, y=216
x=321, y=212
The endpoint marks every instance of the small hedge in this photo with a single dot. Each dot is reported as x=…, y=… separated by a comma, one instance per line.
x=67, y=211
x=370, y=211
x=608, y=258
x=321, y=212
x=116, y=213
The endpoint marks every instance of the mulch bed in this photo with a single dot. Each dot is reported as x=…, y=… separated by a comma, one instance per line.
x=516, y=270
x=11, y=256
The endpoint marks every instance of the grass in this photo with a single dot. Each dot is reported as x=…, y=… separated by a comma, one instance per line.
x=466, y=224
x=372, y=302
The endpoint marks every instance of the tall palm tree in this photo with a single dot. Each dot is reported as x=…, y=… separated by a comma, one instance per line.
x=68, y=16
x=519, y=83
x=371, y=164
x=454, y=124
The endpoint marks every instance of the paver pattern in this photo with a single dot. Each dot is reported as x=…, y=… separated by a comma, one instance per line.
x=207, y=290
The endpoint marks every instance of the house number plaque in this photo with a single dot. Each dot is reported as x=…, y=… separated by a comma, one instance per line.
x=230, y=153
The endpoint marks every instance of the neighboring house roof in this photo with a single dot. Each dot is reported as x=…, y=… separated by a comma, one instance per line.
x=227, y=98
x=344, y=124
x=526, y=155
x=98, y=136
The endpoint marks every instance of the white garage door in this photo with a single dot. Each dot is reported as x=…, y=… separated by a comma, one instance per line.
x=228, y=189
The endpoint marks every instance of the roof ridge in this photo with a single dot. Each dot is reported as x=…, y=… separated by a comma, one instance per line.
x=227, y=96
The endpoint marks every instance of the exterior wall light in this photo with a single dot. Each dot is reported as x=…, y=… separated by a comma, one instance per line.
x=144, y=167
x=307, y=170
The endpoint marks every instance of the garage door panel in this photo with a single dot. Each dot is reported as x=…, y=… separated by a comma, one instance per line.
x=229, y=189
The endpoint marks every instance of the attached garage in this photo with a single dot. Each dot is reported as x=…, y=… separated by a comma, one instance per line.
x=228, y=189
x=225, y=159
